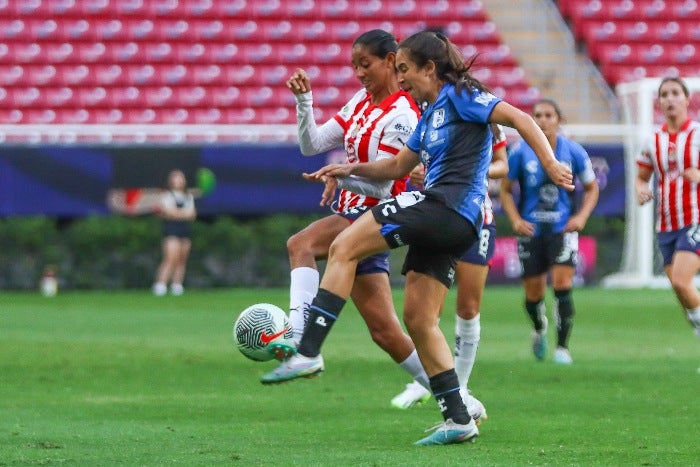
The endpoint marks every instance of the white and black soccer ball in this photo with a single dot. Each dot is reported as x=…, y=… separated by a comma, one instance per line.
x=257, y=327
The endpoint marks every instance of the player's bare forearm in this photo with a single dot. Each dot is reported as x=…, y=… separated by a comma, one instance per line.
x=505, y=114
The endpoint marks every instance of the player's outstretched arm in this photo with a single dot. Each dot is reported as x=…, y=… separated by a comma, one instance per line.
x=385, y=169
x=505, y=114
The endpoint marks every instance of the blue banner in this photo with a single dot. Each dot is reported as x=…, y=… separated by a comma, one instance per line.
x=74, y=181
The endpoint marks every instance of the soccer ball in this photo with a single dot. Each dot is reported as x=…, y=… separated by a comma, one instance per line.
x=257, y=327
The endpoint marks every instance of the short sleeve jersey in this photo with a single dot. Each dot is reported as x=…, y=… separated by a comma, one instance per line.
x=542, y=202
x=375, y=132
x=177, y=200
x=668, y=155
x=454, y=141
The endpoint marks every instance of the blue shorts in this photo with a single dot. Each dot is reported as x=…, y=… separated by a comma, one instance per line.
x=372, y=264
x=481, y=252
x=685, y=239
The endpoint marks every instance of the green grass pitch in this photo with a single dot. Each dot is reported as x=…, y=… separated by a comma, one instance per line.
x=125, y=378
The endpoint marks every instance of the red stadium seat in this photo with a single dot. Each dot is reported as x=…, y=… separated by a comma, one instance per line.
x=225, y=96
x=12, y=74
x=10, y=116
x=174, y=116
x=14, y=29
x=273, y=75
x=75, y=74
x=163, y=96
x=240, y=74
x=206, y=116
x=72, y=116
x=58, y=97
x=240, y=115
x=90, y=97
x=43, y=75
x=279, y=115
x=107, y=116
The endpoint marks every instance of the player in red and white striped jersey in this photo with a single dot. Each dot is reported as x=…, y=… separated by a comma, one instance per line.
x=372, y=126
x=672, y=155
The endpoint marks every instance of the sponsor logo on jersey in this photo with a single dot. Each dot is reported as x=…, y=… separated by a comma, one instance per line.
x=484, y=98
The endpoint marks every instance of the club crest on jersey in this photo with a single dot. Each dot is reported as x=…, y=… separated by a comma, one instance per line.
x=433, y=135
x=438, y=118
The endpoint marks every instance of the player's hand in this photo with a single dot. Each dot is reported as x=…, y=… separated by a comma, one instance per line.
x=299, y=82
x=692, y=174
x=643, y=192
x=331, y=170
x=523, y=227
x=417, y=176
x=574, y=224
x=328, y=195
x=561, y=175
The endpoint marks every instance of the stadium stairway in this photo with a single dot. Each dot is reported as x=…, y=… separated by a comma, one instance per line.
x=544, y=47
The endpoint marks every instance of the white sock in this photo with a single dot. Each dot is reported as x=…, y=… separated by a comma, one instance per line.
x=467, y=335
x=694, y=318
x=303, y=287
x=414, y=367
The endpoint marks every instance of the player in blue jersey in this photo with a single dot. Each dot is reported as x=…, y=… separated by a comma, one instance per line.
x=438, y=224
x=547, y=227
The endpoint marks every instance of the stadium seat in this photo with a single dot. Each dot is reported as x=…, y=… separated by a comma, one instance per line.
x=225, y=96
x=90, y=97
x=206, y=116
x=278, y=115
x=108, y=61
x=12, y=74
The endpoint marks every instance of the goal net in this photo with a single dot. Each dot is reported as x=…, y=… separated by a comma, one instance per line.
x=641, y=261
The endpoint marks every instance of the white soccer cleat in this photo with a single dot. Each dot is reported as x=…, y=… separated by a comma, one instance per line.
x=414, y=394
x=474, y=406
x=297, y=366
x=177, y=289
x=159, y=289
x=562, y=356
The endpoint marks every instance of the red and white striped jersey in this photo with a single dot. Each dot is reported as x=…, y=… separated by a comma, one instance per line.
x=499, y=141
x=668, y=155
x=375, y=132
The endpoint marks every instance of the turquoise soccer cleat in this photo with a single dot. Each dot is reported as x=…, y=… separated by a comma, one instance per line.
x=449, y=432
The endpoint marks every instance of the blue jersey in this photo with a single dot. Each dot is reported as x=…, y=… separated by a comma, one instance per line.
x=543, y=203
x=454, y=140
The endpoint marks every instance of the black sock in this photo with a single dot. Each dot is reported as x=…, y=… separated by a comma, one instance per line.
x=323, y=312
x=445, y=387
x=535, y=311
x=564, y=314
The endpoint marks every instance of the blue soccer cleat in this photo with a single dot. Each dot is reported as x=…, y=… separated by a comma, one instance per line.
x=539, y=341
x=449, y=432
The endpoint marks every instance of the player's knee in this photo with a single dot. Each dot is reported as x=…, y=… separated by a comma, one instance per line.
x=296, y=243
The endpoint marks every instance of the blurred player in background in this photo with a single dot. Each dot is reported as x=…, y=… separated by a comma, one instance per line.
x=177, y=210
x=471, y=272
x=672, y=156
x=373, y=125
x=547, y=227
x=453, y=139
